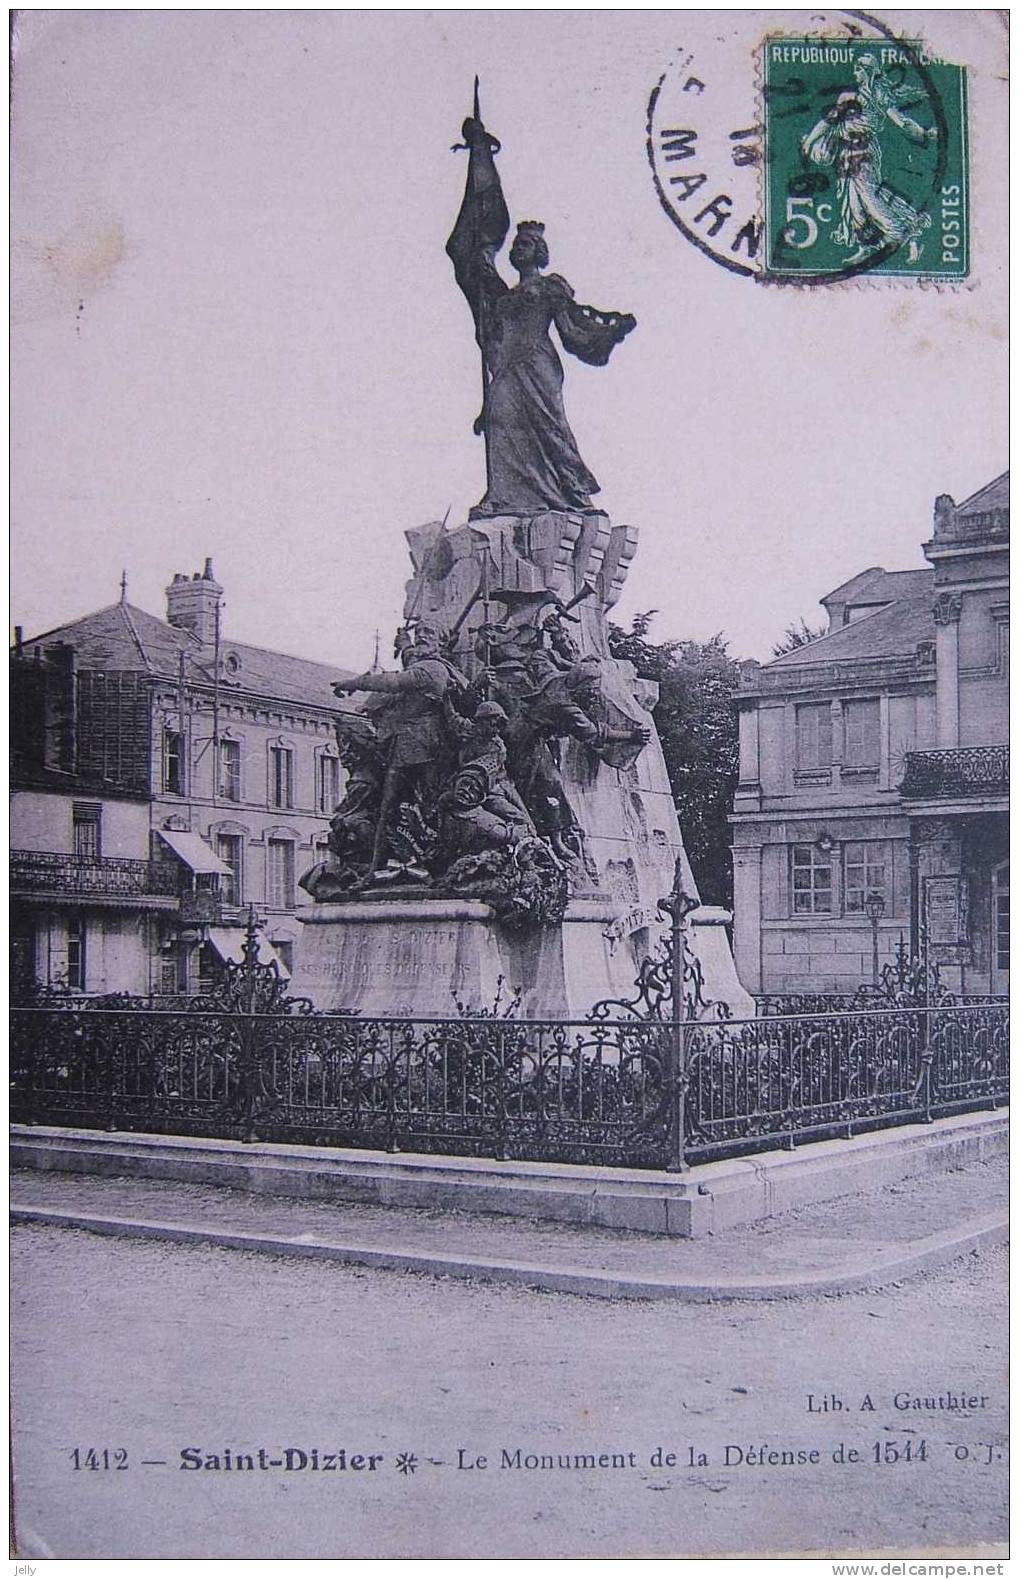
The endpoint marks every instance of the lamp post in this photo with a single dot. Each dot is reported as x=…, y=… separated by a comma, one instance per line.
x=874, y=904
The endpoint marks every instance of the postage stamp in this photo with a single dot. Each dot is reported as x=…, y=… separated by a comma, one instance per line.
x=865, y=160
x=817, y=159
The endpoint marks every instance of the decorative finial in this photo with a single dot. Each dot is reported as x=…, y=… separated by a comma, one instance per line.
x=123, y=586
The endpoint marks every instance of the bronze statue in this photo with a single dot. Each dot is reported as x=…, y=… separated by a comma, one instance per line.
x=454, y=784
x=411, y=729
x=533, y=463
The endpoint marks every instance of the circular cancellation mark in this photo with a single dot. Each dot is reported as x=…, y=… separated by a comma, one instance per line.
x=813, y=158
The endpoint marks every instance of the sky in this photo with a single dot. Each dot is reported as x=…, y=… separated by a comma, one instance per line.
x=236, y=333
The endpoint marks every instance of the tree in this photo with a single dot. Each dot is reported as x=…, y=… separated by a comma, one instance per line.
x=698, y=727
x=796, y=636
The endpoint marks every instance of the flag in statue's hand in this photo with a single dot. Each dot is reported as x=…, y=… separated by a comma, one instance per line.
x=482, y=222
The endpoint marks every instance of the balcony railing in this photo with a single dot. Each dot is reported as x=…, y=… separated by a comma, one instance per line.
x=963, y=770
x=42, y=871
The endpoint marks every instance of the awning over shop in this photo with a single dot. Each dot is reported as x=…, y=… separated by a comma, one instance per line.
x=193, y=851
x=229, y=945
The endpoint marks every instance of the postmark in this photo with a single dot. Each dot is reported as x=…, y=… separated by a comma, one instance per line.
x=726, y=127
x=864, y=160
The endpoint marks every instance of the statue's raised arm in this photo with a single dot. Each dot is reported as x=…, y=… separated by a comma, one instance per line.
x=533, y=463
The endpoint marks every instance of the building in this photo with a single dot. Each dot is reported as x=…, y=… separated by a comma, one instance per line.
x=872, y=799
x=164, y=779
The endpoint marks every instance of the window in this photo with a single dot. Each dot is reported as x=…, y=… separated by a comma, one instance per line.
x=813, y=735
x=86, y=824
x=1001, y=920
x=281, y=776
x=230, y=849
x=230, y=769
x=861, y=733
x=279, y=883
x=811, y=881
x=209, y=969
x=328, y=784
x=76, y=954
x=866, y=872
x=173, y=761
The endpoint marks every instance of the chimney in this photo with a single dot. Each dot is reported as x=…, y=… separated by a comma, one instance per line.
x=191, y=605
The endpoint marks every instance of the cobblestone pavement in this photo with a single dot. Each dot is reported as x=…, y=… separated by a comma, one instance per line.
x=158, y=1348
x=810, y=1238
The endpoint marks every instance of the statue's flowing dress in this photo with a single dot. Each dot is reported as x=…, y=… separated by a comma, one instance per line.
x=533, y=460
x=868, y=207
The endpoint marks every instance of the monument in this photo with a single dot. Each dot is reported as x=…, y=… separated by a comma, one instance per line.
x=508, y=826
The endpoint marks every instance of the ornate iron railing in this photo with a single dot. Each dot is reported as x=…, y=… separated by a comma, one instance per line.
x=42, y=871
x=964, y=770
x=593, y=1092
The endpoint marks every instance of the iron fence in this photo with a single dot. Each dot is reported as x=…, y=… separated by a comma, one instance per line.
x=865, y=997
x=654, y=1093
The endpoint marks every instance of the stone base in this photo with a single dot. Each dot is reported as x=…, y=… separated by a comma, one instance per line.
x=708, y=1199
x=419, y=957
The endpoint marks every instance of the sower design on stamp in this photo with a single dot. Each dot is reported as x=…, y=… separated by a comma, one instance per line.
x=865, y=160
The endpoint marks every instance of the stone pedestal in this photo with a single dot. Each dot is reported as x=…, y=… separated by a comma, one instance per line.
x=419, y=957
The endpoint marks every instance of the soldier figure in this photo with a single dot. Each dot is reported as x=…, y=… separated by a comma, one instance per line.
x=413, y=736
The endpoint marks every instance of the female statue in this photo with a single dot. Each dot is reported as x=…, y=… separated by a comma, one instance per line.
x=871, y=215
x=533, y=463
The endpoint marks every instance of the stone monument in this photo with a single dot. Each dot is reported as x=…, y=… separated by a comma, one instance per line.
x=507, y=825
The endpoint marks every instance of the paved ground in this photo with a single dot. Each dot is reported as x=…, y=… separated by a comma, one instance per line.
x=811, y=1238
x=158, y=1348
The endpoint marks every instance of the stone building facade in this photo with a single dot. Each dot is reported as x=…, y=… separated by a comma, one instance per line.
x=872, y=800
x=164, y=780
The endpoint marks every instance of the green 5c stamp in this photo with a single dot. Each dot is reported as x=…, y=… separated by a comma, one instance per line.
x=865, y=168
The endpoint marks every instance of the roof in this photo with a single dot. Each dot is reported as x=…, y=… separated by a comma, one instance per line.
x=123, y=637
x=892, y=631
x=992, y=496
x=880, y=586
x=280, y=674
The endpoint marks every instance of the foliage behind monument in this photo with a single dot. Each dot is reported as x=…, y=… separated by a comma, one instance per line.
x=698, y=728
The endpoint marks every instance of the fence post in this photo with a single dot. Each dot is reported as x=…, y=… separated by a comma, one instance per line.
x=678, y=905
x=928, y=1050
x=247, y=1030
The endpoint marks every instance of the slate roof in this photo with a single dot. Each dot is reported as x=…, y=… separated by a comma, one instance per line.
x=889, y=632
x=123, y=637
x=992, y=496
x=881, y=586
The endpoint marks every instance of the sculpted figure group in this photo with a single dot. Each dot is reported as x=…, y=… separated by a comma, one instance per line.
x=455, y=784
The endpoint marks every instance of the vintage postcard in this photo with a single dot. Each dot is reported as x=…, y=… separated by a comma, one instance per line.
x=509, y=767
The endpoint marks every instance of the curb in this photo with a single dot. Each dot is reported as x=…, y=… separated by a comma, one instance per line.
x=886, y=1265
x=710, y=1198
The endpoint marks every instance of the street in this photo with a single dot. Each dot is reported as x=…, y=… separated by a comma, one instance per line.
x=300, y=1408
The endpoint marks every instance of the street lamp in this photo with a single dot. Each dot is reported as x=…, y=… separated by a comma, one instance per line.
x=874, y=904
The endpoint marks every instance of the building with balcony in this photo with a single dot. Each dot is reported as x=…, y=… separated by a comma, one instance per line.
x=164, y=779
x=873, y=789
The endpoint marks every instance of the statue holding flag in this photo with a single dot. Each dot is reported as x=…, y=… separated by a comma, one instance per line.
x=532, y=459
